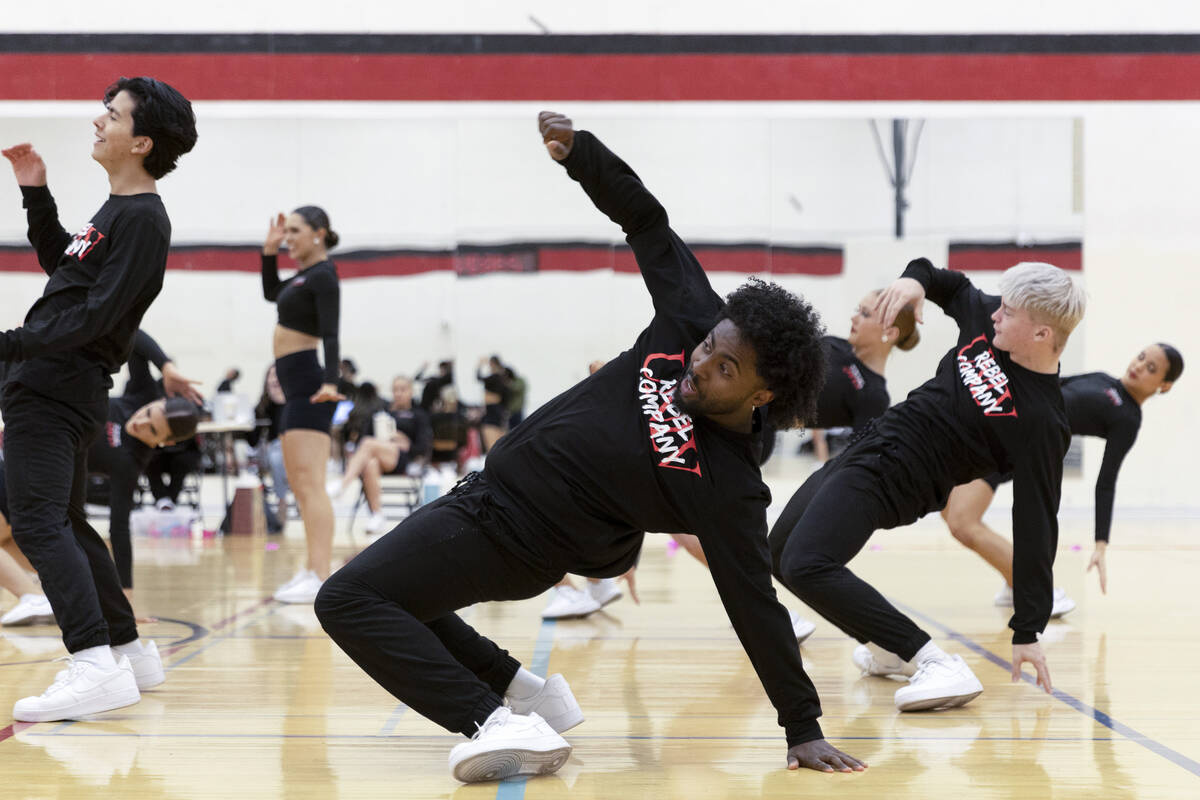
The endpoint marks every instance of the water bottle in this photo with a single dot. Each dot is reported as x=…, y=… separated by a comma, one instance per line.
x=431, y=486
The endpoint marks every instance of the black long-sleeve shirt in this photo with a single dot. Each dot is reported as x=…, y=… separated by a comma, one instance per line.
x=142, y=388
x=983, y=413
x=614, y=456
x=495, y=383
x=308, y=302
x=102, y=280
x=416, y=425
x=853, y=395
x=1098, y=405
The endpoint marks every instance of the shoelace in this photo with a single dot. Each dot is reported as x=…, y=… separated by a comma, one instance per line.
x=67, y=675
x=494, y=721
x=928, y=666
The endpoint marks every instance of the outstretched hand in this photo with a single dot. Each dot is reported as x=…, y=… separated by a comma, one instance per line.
x=892, y=300
x=1031, y=653
x=175, y=384
x=1097, y=562
x=558, y=134
x=628, y=578
x=27, y=164
x=328, y=393
x=823, y=757
x=276, y=230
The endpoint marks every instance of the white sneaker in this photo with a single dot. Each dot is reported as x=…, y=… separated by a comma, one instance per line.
x=604, y=591
x=376, y=523
x=82, y=689
x=509, y=744
x=874, y=660
x=801, y=627
x=333, y=488
x=939, y=683
x=1062, y=603
x=570, y=602
x=31, y=609
x=147, y=666
x=555, y=703
x=302, y=588
x=164, y=504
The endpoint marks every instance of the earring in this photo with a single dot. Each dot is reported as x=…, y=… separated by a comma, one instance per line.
x=316, y=241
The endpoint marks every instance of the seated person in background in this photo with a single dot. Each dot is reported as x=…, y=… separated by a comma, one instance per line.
x=450, y=427
x=409, y=444
x=231, y=377
x=360, y=424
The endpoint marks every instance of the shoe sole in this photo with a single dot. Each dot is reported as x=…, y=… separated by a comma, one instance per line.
x=579, y=615
x=98, y=706
x=1063, y=613
x=930, y=704
x=612, y=599
x=150, y=681
x=36, y=619
x=500, y=764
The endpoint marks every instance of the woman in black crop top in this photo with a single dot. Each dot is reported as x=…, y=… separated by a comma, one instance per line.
x=855, y=390
x=496, y=394
x=1097, y=405
x=308, y=305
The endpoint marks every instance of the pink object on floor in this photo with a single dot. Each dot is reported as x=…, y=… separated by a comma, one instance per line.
x=672, y=546
x=1076, y=548
x=272, y=545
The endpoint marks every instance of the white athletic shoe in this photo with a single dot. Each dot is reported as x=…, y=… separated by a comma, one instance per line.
x=1063, y=604
x=801, y=627
x=302, y=588
x=874, y=660
x=333, y=488
x=31, y=609
x=604, y=591
x=939, y=683
x=570, y=602
x=555, y=703
x=509, y=744
x=376, y=523
x=147, y=666
x=82, y=689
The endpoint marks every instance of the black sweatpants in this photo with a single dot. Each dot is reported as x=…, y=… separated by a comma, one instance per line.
x=826, y=524
x=45, y=457
x=391, y=609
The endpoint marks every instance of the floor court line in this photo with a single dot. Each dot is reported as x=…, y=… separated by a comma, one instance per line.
x=1154, y=746
x=514, y=788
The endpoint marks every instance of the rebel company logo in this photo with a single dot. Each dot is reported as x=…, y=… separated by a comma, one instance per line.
x=1112, y=395
x=856, y=378
x=84, y=242
x=113, y=434
x=984, y=379
x=671, y=431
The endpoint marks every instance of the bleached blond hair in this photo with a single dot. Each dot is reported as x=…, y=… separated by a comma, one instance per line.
x=1048, y=293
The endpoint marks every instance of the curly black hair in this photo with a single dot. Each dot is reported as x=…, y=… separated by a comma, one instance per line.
x=785, y=332
x=163, y=114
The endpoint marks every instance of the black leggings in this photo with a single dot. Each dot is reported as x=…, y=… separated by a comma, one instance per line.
x=826, y=524
x=45, y=457
x=391, y=609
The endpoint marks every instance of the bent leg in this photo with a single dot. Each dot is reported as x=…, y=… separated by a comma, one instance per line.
x=964, y=516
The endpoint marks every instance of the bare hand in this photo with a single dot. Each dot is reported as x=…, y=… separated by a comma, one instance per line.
x=27, y=164
x=823, y=757
x=892, y=300
x=628, y=578
x=1097, y=561
x=175, y=384
x=276, y=231
x=328, y=393
x=558, y=134
x=1031, y=653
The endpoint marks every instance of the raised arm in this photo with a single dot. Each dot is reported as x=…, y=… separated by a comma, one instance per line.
x=673, y=276
x=276, y=230
x=46, y=233
x=920, y=280
x=128, y=273
x=141, y=383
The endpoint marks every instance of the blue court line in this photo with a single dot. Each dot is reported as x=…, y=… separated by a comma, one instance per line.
x=393, y=720
x=1107, y=721
x=514, y=788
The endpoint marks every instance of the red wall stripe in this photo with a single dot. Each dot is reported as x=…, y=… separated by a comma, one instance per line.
x=560, y=77
x=989, y=258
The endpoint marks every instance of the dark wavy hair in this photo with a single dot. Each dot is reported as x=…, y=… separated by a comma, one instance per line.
x=163, y=114
x=182, y=418
x=785, y=332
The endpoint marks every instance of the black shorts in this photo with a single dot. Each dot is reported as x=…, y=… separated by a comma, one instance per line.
x=997, y=478
x=401, y=465
x=300, y=376
x=495, y=414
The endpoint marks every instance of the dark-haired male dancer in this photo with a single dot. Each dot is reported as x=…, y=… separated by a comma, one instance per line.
x=55, y=390
x=662, y=438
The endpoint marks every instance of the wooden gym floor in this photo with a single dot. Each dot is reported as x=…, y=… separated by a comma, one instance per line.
x=259, y=703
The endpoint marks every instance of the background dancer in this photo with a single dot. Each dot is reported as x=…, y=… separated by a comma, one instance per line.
x=308, y=304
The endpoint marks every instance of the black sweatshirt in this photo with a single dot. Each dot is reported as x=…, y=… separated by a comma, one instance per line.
x=1098, y=405
x=415, y=424
x=983, y=413
x=102, y=280
x=613, y=456
x=308, y=302
x=853, y=395
x=496, y=383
